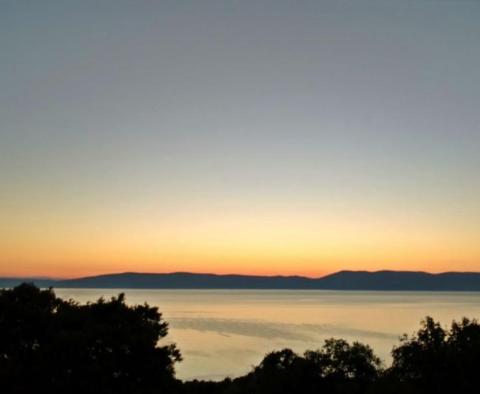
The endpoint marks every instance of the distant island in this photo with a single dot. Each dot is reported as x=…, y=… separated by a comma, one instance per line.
x=343, y=280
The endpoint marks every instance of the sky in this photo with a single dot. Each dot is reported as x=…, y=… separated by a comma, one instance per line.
x=253, y=137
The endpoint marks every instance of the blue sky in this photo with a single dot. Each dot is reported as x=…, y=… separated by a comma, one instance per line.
x=168, y=118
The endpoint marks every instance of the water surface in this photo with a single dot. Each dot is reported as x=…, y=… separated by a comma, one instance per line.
x=225, y=332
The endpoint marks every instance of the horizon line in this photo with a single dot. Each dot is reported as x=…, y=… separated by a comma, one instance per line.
x=43, y=277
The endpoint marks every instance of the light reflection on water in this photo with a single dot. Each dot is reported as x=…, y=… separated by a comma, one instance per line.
x=225, y=332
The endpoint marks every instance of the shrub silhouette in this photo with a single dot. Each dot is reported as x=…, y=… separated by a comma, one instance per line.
x=53, y=345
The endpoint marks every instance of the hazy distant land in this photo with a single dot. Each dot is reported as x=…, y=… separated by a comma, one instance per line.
x=343, y=280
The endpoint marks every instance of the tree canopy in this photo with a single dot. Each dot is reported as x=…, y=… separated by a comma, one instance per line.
x=48, y=344
x=100, y=347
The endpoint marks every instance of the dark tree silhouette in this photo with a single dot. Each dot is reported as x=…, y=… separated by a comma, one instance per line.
x=340, y=360
x=337, y=367
x=438, y=360
x=61, y=346
x=51, y=345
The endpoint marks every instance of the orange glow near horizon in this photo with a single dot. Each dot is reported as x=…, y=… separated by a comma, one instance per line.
x=247, y=138
x=287, y=243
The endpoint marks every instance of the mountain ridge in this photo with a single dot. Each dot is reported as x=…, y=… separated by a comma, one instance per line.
x=383, y=280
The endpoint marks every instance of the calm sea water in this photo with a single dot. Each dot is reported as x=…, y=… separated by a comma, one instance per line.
x=225, y=332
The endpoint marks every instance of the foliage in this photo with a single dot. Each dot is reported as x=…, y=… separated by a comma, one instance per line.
x=337, y=367
x=437, y=360
x=53, y=345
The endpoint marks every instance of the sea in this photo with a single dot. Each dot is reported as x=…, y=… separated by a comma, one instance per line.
x=224, y=333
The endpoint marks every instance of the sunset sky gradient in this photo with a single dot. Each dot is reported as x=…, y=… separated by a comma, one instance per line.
x=254, y=137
